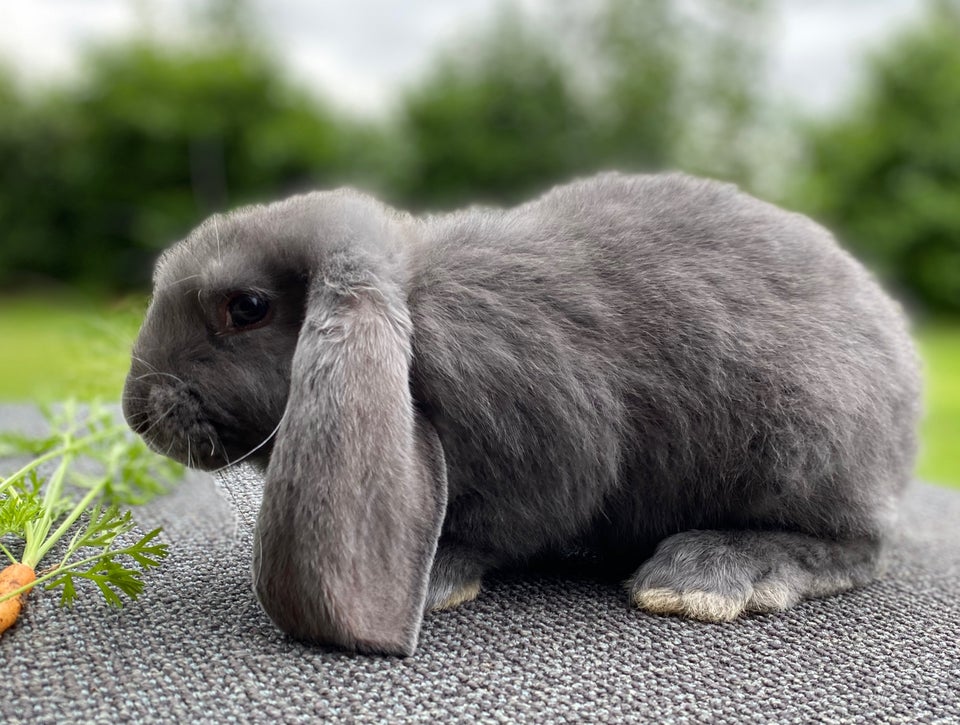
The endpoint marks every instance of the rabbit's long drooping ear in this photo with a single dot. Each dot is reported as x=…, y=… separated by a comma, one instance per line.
x=355, y=489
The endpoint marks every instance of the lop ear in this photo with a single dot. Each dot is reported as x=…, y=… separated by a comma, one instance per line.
x=355, y=490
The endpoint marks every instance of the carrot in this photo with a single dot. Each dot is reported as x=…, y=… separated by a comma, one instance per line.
x=12, y=578
x=78, y=516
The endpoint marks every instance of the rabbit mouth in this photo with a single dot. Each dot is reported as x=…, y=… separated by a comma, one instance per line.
x=172, y=422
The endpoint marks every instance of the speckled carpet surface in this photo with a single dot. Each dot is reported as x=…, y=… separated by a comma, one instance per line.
x=533, y=648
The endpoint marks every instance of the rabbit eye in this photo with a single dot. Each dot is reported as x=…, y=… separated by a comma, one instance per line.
x=246, y=310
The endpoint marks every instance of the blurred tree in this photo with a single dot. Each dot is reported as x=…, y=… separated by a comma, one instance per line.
x=632, y=84
x=885, y=174
x=627, y=60
x=491, y=121
x=101, y=175
x=721, y=100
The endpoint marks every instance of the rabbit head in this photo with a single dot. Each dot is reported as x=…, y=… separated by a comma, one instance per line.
x=281, y=333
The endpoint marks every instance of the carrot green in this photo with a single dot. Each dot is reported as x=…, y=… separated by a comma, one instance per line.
x=67, y=508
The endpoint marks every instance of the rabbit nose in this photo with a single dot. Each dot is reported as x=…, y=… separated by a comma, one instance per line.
x=149, y=397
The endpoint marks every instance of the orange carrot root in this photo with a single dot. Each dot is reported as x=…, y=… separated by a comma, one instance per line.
x=11, y=579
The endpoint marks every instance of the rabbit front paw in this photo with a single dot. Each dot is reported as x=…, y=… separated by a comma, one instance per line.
x=454, y=578
x=447, y=597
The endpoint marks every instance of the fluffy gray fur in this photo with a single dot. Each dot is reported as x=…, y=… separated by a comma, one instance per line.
x=658, y=369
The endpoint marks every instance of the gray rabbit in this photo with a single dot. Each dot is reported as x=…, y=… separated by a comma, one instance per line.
x=657, y=369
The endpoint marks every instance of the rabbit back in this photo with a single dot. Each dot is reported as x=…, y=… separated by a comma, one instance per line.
x=631, y=356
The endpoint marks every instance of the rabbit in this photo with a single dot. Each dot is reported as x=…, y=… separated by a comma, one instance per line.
x=693, y=384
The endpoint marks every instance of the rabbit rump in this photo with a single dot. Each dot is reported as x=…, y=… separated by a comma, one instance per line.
x=686, y=381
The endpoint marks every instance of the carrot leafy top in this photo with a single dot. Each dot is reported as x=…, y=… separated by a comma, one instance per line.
x=68, y=506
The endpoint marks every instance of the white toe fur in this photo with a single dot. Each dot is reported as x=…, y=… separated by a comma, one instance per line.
x=704, y=606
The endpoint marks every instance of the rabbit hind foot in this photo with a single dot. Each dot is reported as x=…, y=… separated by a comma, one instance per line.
x=716, y=576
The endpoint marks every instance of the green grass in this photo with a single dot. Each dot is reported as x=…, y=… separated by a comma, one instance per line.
x=940, y=447
x=53, y=349
x=59, y=348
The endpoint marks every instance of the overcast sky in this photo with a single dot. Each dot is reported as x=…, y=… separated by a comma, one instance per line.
x=360, y=52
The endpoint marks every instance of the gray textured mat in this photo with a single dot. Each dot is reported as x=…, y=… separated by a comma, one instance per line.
x=196, y=647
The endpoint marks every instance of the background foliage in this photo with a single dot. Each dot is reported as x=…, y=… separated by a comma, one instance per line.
x=98, y=174
x=886, y=172
x=97, y=177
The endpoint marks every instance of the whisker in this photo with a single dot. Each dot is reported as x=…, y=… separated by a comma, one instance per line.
x=216, y=228
x=138, y=418
x=251, y=451
x=158, y=420
x=184, y=279
x=144, y=362
x=168, y=375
